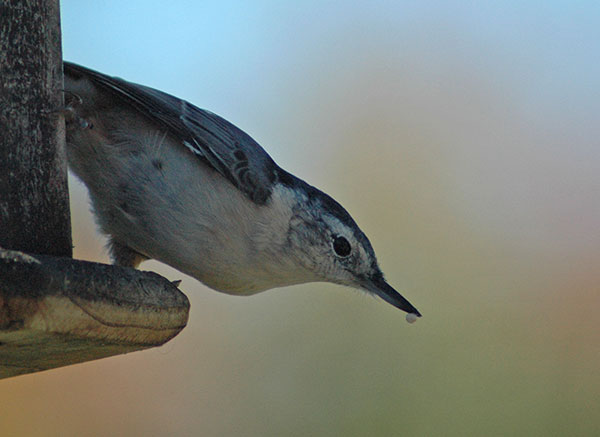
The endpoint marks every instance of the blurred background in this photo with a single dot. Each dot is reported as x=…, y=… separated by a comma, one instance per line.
x=464, y=139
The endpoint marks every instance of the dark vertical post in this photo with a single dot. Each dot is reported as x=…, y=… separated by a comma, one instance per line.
x=34, y=199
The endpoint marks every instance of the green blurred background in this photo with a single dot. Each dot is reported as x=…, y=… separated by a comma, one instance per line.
x=464, y=139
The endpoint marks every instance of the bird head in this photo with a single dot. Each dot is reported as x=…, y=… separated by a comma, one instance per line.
x=327, y=242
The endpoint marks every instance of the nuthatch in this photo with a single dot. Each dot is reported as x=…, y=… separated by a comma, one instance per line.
x=181, y=185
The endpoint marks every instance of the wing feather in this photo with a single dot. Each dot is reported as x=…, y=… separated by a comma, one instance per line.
x=214, y=140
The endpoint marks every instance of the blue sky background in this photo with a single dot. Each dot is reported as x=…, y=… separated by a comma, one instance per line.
x=462, y=137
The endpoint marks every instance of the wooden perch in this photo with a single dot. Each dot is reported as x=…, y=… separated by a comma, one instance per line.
x=59, y=311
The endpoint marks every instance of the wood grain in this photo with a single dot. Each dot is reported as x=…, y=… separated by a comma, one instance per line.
x=59, y=311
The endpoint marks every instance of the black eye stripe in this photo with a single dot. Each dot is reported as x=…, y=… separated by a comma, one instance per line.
x=341, y=246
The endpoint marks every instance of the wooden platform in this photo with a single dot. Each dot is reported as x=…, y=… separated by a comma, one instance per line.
x=59, y=311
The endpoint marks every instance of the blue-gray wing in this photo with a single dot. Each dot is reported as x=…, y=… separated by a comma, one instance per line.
x=214, y=140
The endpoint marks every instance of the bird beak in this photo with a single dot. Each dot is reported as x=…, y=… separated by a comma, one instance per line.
x=377, y=285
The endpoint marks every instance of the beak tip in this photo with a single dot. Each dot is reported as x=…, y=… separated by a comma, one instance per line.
x=381, y=288
x=412, y=317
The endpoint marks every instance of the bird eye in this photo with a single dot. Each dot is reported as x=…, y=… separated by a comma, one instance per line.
x=341, y=246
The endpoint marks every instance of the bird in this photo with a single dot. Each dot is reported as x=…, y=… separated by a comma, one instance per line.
x=173, y=182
